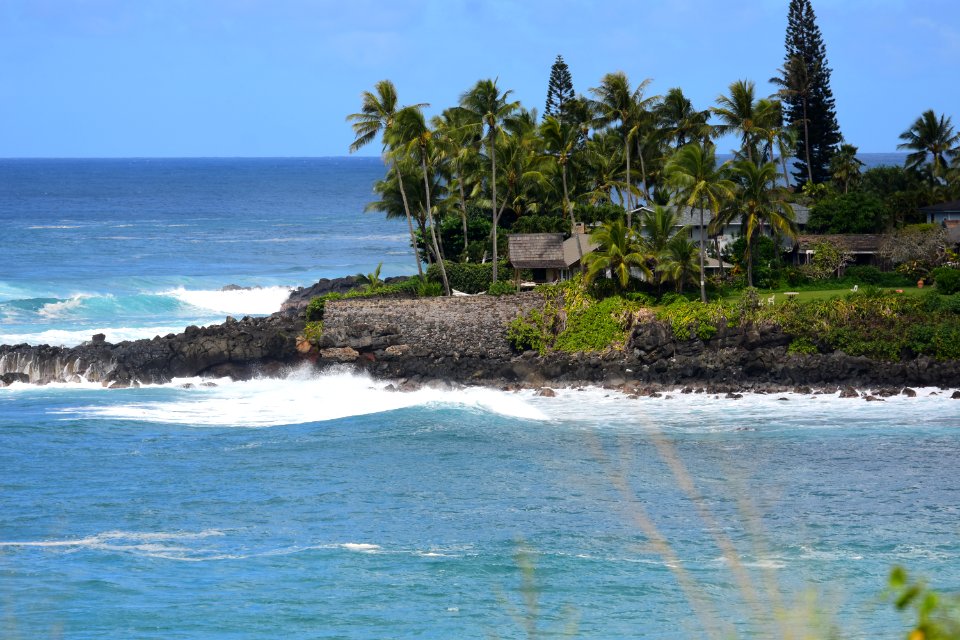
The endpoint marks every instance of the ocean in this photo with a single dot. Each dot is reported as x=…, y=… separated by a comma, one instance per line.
x=324, y=505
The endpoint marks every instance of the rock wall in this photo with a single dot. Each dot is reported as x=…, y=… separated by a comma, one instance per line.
x=239, y=349
x=471, y=327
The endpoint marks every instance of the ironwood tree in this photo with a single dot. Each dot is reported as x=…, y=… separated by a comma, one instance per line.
x=809, y=107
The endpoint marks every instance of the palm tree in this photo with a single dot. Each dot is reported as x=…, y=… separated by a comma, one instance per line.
x=617, y=103
x=678, y=261
x=929, y=135
x=761, y=202
x=739, y=112
x=660, y=226
x=488, y=108
x=377, y=116
x=693, y=172
x=845, y=166
x=678, y=119
x=458, y=142
x=619, y=250
x=412, y=136
x=560, y=140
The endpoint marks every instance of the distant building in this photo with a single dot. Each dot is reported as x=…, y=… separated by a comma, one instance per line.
x=945, y=214
x=730, y=232
x=548, y=255
x=863, y=247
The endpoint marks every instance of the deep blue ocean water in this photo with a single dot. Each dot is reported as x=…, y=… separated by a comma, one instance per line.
x=323, y=506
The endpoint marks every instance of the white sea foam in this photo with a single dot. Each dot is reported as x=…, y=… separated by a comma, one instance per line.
x=72, y=338
x=361, y=547
x=54, y=226
x=169, y=545
x=257, y=301
x=301, y=398
x=53, y=310
x=706, y=413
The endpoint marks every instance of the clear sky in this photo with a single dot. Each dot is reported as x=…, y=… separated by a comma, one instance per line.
x=114, y=78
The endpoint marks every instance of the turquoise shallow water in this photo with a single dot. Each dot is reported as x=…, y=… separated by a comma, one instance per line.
x=273, y=508
x=322, y=506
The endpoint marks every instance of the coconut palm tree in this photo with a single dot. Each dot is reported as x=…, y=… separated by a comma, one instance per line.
x=560, y=140
x=412, y=136
x=845, y=166
x=616, y=103
x=377, y=116
x=678, y=261
x=680, y=122
x=761, y=202
x=929, y=136
x=738, y=112
x=488, y=108
x=660, y=226
x=693, y=172
x=619, y=249
x=459, y=142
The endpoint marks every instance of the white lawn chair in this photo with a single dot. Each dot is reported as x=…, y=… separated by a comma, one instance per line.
x=855, y=287
x=771, y=300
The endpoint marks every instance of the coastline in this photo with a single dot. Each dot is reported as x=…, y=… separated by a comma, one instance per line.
x=413, y=342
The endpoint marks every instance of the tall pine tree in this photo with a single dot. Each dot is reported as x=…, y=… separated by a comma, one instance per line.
x=559, y=91
x=805, y=91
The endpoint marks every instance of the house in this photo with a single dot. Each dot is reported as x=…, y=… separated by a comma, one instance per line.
x=945, y=214
x=548, y=255
x=863, y=247
x=730, y=232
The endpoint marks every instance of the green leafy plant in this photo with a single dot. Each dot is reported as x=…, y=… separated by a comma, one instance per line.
x=947, y=280
x=502, y=288
x=312, y=331
x=937, y=616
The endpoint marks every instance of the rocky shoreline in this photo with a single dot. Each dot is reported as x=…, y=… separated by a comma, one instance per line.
x=463, y=341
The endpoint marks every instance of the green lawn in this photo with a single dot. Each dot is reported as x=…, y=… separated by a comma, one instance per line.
x=805, y=296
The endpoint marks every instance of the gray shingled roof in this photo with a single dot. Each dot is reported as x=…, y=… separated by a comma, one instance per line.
x=536, y=250
x=943, y=207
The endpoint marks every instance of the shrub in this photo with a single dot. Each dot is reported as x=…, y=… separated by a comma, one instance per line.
x=865, y=274
x=529, y=333
x=854, y=212
x=468, y=277
x=502, y=288
x=639, y=297
x=596, y=327
x=693, y=319
x=802, y=345
x=316, y=307
x=312, y=331
x=947, y=280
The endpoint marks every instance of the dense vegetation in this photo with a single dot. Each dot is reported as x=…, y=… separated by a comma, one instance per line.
x=872, y=322
x=488, y=165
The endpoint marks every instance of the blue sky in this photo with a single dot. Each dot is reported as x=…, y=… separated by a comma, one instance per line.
x=115, y=78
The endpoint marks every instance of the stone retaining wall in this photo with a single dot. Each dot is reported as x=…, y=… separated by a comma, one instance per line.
x=472, y=327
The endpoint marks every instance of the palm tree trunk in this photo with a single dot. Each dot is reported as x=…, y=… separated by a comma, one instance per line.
x=643, y=178
x=493, y=188
x=626, y=146
x=573, y=220
x=463, y=209
x=703, y=284
x=433, y=227
x=406, y=210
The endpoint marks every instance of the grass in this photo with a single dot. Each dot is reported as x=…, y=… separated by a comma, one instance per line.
x=807, y=296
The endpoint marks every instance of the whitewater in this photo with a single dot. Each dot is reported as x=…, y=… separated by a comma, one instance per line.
x=330, y=504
